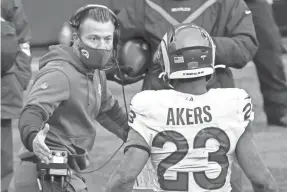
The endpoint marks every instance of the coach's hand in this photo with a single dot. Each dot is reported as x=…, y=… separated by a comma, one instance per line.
x=40, y=148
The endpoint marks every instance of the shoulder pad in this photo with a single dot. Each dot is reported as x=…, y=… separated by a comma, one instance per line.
x=142, y=100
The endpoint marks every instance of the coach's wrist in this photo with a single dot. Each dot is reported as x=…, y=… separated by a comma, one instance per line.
x=30, y=140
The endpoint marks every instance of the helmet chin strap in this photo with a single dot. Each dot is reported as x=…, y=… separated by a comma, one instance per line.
x=170, y=85
x=163, y=76
x=210, y=78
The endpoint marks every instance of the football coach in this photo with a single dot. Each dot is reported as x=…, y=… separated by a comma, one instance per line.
x=66, y=101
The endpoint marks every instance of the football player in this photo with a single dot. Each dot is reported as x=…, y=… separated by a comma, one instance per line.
x=186, y=138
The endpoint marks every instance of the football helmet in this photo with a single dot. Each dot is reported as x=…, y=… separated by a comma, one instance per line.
x=186, y=51
x=135, y=54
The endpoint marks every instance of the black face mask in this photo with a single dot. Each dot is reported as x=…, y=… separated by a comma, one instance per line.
x=94, y=58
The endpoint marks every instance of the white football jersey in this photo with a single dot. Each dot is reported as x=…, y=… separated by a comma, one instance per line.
x=192, y=138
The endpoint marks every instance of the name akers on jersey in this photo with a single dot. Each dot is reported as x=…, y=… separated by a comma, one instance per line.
x=186, y=116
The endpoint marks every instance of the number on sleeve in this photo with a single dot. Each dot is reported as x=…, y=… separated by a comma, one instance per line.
x=132, y=116
x=247, y=111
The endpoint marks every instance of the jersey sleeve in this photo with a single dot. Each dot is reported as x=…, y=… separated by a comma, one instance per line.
x=138, y=118
x=245, y=108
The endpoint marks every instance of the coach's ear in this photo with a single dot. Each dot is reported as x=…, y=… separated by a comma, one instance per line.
x=75, y=38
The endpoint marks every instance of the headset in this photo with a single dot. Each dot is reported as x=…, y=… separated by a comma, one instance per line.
x=75, y=22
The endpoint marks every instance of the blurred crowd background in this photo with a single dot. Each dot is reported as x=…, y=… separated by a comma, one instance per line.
x=45, y=26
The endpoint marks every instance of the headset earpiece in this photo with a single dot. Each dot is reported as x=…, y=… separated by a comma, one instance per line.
x=75, y=23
